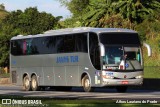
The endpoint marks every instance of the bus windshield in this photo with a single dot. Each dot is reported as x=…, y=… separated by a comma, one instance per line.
x=113, y=54
x=121, y=49
x=119, y=38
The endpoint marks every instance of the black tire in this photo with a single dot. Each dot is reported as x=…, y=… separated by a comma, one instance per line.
x=86, y=84
x=34, y=83
x=26, y=83
x=121, y=89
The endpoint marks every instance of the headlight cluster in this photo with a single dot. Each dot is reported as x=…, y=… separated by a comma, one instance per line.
x=108, y=77
x=139, y=76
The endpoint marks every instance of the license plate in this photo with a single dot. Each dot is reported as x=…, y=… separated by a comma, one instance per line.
x=124, y=82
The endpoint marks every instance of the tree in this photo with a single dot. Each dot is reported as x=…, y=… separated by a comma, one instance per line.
x=6, y=33
x=114, y=21
x=137, y=10
x=99, y=11
x=78, y=8
x=2, y=7
x=3, y=12
x=94, y=13
x=148, y=30
x=29, y=22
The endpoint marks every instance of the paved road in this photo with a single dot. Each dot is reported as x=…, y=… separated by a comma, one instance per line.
x=77, y=93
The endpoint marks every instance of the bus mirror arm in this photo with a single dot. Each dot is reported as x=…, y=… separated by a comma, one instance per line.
x=102, y=49
x=148, y=48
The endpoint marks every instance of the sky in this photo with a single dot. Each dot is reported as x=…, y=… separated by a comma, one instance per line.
x=49, y=6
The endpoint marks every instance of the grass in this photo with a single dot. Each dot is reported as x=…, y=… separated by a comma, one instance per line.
x=152, y=72
x=5, y=75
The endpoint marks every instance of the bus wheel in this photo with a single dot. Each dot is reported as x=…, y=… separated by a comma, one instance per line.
x=26, y=83
x=34, y=83
x=86, y=84
x=121, y=89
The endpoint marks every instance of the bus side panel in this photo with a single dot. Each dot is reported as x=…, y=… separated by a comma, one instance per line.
x=60, y=76
x=48, y=75
x=72, y=75
x=48, y=63
x=19, y=76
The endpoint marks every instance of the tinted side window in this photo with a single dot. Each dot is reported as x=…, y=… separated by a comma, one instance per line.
x=81, y=42
x=59, y=44
x=94, y=50
x=16, y=47
x=38, y=46
x=50, y=44
x=69, y=43
x=43, y=45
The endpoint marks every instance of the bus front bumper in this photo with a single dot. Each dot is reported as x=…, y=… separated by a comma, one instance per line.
x=122, y=82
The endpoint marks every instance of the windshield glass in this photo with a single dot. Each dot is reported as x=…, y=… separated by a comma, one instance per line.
x=132, y=53
x=119, y=38
x=121, y=58
x=113, y=55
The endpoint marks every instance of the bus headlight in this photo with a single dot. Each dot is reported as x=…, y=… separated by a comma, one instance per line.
x=139, y=76
x=110, y=77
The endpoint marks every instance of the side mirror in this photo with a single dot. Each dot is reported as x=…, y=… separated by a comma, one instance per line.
x=148, y=48
x=102, y=49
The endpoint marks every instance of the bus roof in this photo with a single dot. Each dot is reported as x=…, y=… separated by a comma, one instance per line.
x=74, y=30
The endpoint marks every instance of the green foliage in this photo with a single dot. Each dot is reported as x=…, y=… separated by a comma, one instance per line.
x=98, y=10
x=3, y=12
x=7, y=31
x=2, y=7
x=5, y=75
x=137, y=10
x=94, y=13
x=77, y=6
x=29, y=22
x=114, y=21
x=148, y=30
x=70, y=23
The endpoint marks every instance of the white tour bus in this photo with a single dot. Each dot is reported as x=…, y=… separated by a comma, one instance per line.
x=74, y=57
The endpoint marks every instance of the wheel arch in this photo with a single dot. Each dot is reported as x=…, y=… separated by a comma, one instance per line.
x=83, y=74
x=25, y=74
x=36, y=77
x=34, y=74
